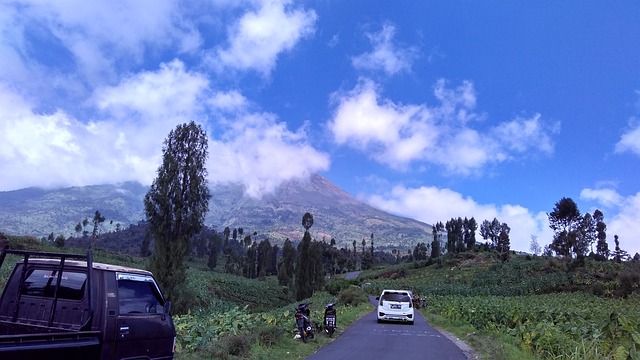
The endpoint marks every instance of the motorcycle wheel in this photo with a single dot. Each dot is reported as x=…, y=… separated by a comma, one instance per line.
x=330, y=331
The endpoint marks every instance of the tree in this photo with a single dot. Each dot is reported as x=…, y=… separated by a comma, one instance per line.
x=436, y=229
x=535, y=246
x=59, y=241
x=491, y=231
x=264, y=258
x=619, y=255
x=585, y=235
x=304, y=271
x=97, y=220
x=214, y=248
x=175, y=206
x=565, y=220
x=420, y=252
x=307, y=221
x=304, y=286
x=470, y=226
x=285, y=270
x=504, y=244
x=602, y=248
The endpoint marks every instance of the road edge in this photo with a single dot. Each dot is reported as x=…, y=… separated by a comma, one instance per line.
x=468, y=352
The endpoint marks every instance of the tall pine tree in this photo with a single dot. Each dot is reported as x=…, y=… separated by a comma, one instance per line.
x=175, y=206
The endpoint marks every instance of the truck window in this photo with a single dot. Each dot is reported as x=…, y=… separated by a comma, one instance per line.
x=43, y=283
x=138, y=294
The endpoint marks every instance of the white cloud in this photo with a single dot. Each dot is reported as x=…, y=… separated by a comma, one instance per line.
x=521, y=134
x=425, y=204
x=398, y=135
x=259, y=36
x=98, y=35
x=260, y=152
x=124, y=141
x=622, y=216
x=606, y=197
x=626, y=224
x=385, y=56
x=630, y=139
x=171, y=93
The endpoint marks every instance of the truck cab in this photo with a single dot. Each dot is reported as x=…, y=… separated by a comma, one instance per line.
x=67, y=306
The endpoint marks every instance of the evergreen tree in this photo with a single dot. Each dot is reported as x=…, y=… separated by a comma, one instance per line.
x=59, y=241
x=175, y=206
x=504, y=244
x=491, y=231
x=304, y=270
x=619, y=255
x=470, y=227
x=97, y=220
x=585, y=235
x=304, y=286
x=420, y=252
x=565, y=220
x=435, y=249
x=214, y=250
x=602, y=248
x=286, y=268
x=316, y=266
x=264, y=258
x=145, y=250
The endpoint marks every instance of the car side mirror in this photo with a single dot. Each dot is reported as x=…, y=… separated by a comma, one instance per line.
x=166, y=309
x=377, y=297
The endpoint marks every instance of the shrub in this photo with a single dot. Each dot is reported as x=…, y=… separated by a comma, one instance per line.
x=236, y=345
x=336, y=286
x=597, y=289
x=268, y=335
x=352, y=296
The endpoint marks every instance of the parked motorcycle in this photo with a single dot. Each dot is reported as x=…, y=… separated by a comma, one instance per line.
x=303, y=321
x=330, y=319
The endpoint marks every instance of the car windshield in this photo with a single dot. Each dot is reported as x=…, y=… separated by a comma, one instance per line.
x=396, y=297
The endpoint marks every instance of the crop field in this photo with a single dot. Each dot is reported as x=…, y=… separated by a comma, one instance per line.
x=549, y=311
x=553, y=325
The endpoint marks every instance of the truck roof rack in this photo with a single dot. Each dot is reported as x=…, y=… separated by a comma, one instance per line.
x=26, y=254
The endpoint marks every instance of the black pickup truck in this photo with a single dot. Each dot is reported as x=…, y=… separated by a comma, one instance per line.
x=65, y=306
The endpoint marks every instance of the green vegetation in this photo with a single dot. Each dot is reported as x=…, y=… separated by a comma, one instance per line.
x=529, y=307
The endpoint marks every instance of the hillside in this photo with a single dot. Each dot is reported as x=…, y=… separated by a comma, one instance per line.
x=337, y=214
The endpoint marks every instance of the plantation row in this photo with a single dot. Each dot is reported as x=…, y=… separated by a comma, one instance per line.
x=553, y=325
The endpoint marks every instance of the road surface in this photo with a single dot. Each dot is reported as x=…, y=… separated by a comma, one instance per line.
x=366, y=339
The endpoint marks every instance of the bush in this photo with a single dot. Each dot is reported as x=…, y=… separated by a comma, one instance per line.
x=597, y=289
x=236, y=345
x=353, y=296
x=268, y=335
x=336, y=286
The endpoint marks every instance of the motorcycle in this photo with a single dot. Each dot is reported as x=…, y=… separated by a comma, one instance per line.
x=330, y=319
x=303, y=321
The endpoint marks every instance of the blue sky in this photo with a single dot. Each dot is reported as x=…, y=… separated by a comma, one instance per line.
x=425, y=109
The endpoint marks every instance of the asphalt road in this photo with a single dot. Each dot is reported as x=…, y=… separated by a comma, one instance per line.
x=366, y=339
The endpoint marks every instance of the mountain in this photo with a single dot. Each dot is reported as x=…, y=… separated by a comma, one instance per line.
x=277, y=216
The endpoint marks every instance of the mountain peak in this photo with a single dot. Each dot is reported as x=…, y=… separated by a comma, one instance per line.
x=276, y=216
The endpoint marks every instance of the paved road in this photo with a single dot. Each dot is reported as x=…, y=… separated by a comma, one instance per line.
x=366, y=339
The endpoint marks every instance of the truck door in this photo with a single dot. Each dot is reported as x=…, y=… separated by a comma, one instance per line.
x=143, y=326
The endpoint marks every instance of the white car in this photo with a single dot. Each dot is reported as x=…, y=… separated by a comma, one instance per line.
x=395, y=305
